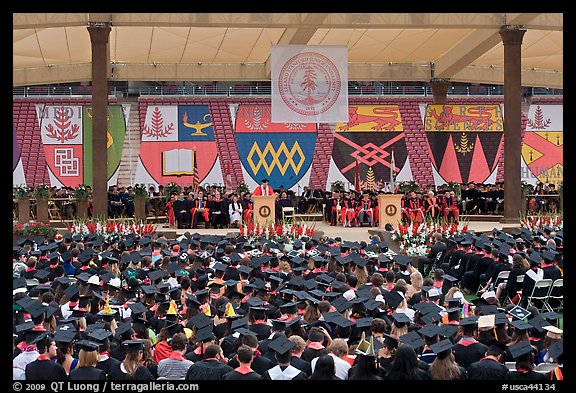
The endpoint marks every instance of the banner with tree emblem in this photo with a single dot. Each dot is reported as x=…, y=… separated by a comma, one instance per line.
x=280, y=152
x=309, y=83
x=170, y=135
x=370, y=137
x=542, y=148
x=464, y=141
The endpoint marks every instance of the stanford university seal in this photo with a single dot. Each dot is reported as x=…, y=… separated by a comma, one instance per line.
x=309, y=83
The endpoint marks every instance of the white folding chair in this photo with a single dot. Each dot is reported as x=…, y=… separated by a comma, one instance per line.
x=539, y=295
x=502, y=278
x=519, y=282
x=287, y=214
x=545, y=367
x=511, y=366
x=556, y=295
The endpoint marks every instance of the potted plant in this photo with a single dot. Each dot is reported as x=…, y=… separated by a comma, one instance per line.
x=171, y=188
x=82, y=193
x=454, y=186
x=406, y=187
x=140, y=196
x=31, y=230
x=22, y=195
x=241, y=189
x=42, y=194
x=337, y=186
x=525, y=190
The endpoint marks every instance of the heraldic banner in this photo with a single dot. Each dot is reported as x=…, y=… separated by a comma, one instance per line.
x=465, y=141
x=370, y=137
x=66, y=132
x=309, y=83
x=279, y=152
x=172, y=138
x=17, y=167
x=542, y=148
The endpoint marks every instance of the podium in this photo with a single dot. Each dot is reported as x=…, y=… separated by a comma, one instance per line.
x=264, y=209
x=389, y=209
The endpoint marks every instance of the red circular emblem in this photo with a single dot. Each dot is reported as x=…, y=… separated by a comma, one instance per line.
x=309, y=83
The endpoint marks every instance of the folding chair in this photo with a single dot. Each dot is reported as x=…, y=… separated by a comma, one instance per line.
x=511, y=366
x=287, y=214
x=556, y=295
x=519, y=281
x=540, y=294
x=545, y=367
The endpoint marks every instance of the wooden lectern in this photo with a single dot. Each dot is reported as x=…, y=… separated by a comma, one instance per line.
x=264, y=209
x=389, y=209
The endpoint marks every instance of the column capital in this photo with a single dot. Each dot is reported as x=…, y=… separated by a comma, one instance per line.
x=512, y=34
x=99, y=31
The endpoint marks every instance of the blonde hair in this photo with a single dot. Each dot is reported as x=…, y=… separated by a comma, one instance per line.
x=339, y=347
x=398, y=331
x=361, y=276
x=416, y=279
x=299, y=343
x=87, y=358
x=284, y=266
x=445, y=369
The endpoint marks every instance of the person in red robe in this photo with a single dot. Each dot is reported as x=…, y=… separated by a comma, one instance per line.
x=432, y=205
x=450, y=208
x=263, y=189
x=170, y=211
x=365, y=210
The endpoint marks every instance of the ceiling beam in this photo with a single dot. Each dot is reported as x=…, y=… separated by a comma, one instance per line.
x=552, y=21
x=299, y=35
x=473, y=46
x=530, y=78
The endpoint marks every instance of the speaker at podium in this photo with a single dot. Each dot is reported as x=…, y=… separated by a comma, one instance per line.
x=389, y=209
x=264, y=209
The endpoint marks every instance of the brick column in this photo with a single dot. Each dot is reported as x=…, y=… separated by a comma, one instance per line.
x=512, y=39
x=99, y=33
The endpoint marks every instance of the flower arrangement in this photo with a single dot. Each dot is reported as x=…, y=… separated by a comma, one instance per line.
x=271, y=231
x=34, y=229
x=408, y=186
x=539, y=221
x=172, y=188
x=242, y=188
x=81, y=191
x=140, y=190
x=337, y=186
x=454, y=186
x=118, y=229
x=416, y=239
x=42, y=191
x=22, y=191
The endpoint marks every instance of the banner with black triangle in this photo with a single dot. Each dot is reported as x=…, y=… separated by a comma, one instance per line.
x=465, y=141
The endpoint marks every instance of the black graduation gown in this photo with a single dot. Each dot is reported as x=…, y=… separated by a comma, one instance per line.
x=142, y=374
x=45, y=370
x=260, y=364
x=87, y=373
x=227, y=345
x=261, y=330
x=106, y=365
x=301, y=365
x=466, y=355
x=236, y=376
x=487, y=369
x=207, y=370
x=528, y=376
x=310, y=353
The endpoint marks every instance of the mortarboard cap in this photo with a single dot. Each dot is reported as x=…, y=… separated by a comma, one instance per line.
x=469, y=321
x=200, y=321
x=281, y=344
x=86, y=345
x=65, y=336
x=521, y=325
x=539, y=323
x=412, y=339
x=553, y=332
x=35, y=309
x=41, y=274
x=442, y=349
x=556, y=350
x=400, y=319
x=390, y=341
x=519, y=312
x=99, y=334
x=393, y=298
x=337, y=318
x=123, y=328
x=42, y=336
x=364, y=322
x=205, y=334
x=486, y=321
x=429, y=331
x=448, y=330
x=134, y=345
x=137, y=308
x=239, y=322
x=550, y=315
x=523, y=348
x=24, y=326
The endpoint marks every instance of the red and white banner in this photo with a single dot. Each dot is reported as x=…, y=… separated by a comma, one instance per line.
x=309, y=83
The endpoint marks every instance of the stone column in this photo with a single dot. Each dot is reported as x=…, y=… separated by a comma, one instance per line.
x=512, y=39
x=439, y=90
x=99, y=34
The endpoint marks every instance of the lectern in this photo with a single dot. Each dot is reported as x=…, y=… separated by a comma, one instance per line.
x=264, y=209
x=389, y=209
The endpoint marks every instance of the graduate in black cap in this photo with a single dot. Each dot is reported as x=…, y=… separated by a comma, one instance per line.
x=445, y=367
x=522, y=352
x=88, y=359
x=468, y=349
x=42, y=368
x=101, y=337
x=259, y=363
x=243, y=372
x=284, y=370
x=210, y=367
x=490, y=366
x=130, y=368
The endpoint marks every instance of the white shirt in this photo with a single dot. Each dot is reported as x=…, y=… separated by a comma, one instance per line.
x=342, y=366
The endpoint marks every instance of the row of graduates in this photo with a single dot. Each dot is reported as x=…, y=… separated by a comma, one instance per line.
x=268, y=301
